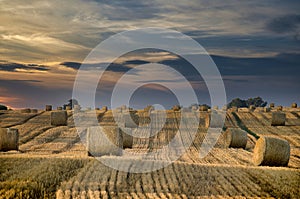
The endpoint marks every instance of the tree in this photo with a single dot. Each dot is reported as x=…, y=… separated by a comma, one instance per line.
x=257, y=102
x=71, y=103
x=2, y=107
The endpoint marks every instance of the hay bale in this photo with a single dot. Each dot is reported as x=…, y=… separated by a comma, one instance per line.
x=215, y=108
x=217, y=122
x=270, y=151
x=25, y=110
x=77, y=107
x=278, y=119
x=33, y=111
x=127, y=138
x=104, y=108
x=194, y=108
x=104, y=140
x=252, y=108
x=48, y=108
x=279, y=108
x=9, y=139
x=59, y=108
x=97, y=109
x=259, y=109
x=294, y=105
x=203, y=108
x=59, y=118
x=235, y=138
x=130, y=119
x=176, y=108
x=272, y=105
x=68, y=108
x=267, y=109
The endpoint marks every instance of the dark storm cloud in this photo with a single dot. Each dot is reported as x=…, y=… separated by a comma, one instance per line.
x=9, y=66
x=113, y=67
x=284, y=24
x=30, y=95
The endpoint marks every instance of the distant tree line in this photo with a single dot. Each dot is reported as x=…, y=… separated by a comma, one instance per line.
x=2, y=107
x=257, y=102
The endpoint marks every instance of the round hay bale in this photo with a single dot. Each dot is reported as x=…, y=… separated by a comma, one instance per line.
x=203, y=108
x=176, y=108
x=97, y=109
x=9, y=138
x=267, y=109
x=278, y=119
x=68, y=108
x=127, y=139
x=194, y=108
x=259, y=109
x=59, y=108
x=279, y=108
x=216, y=122
x=215, y=108
x=104, y=140
x=252, y=108
x=33, y=111
x=25, y=110
x=294, y=105
x=59, y=118
x=272, y=105
x=104, y=108
x=235, y=138
x=270, y=151
x=48, y=108
x=77, y=107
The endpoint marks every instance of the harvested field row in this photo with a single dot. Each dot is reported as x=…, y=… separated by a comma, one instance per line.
x=181, y=180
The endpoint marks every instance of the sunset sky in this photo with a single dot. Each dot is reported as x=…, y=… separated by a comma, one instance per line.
x=255, y=44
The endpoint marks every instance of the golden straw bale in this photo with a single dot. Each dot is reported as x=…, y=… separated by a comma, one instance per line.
x=104, y=140
x=235, y=138
x=270, y=151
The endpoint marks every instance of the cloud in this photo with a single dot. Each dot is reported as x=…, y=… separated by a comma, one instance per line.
x=17, y=67
x=285, y=24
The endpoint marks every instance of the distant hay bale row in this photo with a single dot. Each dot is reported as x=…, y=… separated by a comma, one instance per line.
x=77, y=107
x=278, y=119
x=235, y=138
x=279, y=108
x=203, y=108
x=104, y=108
x=59, y=118
x=59, y=108
x=270, y=151
x=68, y=108
x=104, y=140
x=48, y=108
x=176, y=108
x=25, y=110
x=33, y=111
x=294, y=105
x=252, y=108
x=130, y=119
x=214, y=120
x=9, y=139
x=272, y=105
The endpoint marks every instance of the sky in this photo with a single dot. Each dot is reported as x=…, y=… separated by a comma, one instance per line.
x=254, y=44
